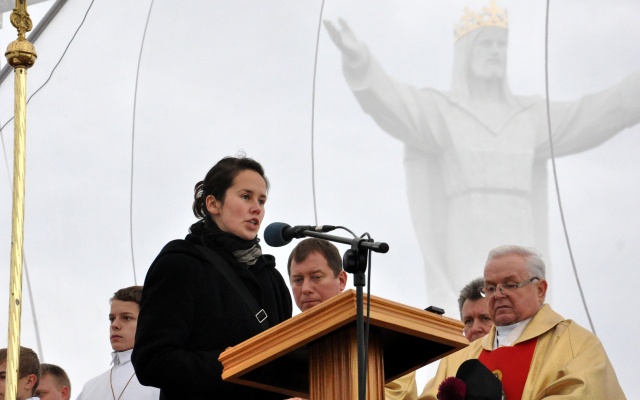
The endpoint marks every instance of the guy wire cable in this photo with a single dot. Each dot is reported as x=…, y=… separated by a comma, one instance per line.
x=6, y=160
x=313, y=117
x=313, y=176
x=553, y=163
x=133, y=132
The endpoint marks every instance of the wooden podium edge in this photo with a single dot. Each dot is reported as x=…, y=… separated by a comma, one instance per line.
x=329, y=316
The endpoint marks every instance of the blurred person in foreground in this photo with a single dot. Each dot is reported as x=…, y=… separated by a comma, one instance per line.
x=120, y=381
x=54, y=383
x=198, y=293
x=316, y=274
x=28, y=374
x=535, y=352
x=474, y=311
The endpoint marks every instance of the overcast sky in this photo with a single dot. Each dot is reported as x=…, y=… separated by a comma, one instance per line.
x=218, y=77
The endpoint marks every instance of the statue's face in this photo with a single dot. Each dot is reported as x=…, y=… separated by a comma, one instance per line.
x=489, y=54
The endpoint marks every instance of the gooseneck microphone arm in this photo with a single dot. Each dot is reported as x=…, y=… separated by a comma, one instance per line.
x=378, y=247
x=280, y=234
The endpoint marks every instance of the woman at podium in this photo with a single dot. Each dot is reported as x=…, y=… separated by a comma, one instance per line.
x=211, y=290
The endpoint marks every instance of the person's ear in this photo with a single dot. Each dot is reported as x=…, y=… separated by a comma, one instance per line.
x=342, y=276
x=30, y=383
x=65, y=392
x=542, y=290
x=213, y=205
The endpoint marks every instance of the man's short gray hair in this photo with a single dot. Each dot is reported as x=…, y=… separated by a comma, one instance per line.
x=535, y=265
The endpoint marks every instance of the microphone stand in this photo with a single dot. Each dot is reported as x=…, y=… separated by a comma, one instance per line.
x=354, y=261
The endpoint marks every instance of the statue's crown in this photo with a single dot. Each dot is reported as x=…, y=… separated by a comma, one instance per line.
x=489, y=16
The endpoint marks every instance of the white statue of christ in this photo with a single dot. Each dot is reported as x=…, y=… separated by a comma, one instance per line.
x=476, y=155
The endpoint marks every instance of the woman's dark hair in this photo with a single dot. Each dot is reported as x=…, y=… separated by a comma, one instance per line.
x=220, y=178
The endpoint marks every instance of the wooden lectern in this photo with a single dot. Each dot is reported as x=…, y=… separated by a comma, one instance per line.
x=314, y=354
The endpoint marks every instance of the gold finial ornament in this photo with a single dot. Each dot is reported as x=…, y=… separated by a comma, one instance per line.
x=20, y=52
x=489, y=16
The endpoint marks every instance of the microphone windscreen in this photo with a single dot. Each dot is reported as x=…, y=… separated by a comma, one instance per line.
x=273, y=234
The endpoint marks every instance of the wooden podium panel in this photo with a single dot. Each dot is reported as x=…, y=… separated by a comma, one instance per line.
x=402, y=339
x=333, y=367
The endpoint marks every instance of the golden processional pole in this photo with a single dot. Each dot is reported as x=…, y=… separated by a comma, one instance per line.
x=20, y=55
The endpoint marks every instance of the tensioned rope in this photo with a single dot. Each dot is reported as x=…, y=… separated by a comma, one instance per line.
x=133, y=131
x=553, y=164
x=361, y=374
x=313, y=117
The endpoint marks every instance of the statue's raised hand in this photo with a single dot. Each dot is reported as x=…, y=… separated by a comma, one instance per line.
x=345, y=40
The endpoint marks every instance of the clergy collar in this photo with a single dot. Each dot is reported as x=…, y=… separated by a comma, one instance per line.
x=121, y=357
x=506, y=335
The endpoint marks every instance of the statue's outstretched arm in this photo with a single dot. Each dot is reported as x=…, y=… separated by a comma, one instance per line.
x=399, y=109
x=345, y=40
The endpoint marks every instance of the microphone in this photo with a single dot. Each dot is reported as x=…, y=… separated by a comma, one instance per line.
x=279, y=234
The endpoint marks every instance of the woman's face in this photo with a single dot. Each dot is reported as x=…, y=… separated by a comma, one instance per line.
x=243, y=208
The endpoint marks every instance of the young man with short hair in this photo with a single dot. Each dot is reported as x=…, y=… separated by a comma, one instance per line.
x=120, y=382
x=28, y=374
